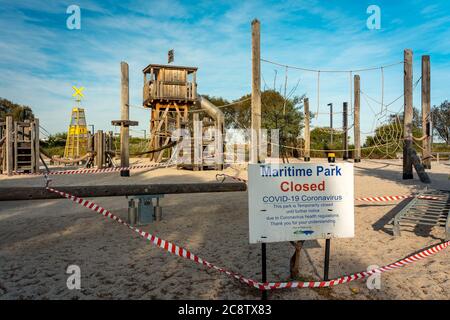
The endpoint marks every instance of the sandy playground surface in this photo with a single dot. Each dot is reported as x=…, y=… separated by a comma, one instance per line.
x=39, y=239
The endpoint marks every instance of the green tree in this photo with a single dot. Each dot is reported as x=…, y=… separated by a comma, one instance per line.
x=56, y=140
x=441, y=120
x=276, y=113
x=54, y=144
x=17, y=111
x=321, y=140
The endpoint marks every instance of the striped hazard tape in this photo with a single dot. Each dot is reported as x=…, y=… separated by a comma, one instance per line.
x=223, y=176
x=116, y=169
x=181, y=252
x=393, y=198
x=94, y=171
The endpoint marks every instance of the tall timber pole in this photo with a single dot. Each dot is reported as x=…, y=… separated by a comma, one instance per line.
x=124, y=115
x=408, y=115
x=426, y=113
x=124, y=121
x=256, y=92
x=256, y=122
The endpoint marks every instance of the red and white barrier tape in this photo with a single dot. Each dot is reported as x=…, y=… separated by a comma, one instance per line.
x=366, y=199
x=94, y=171
x=181, y=252
x=393, y=198
x=116, y=169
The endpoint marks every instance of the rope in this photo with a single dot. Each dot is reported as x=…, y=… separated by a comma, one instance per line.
x=331, y=71
x=68, y=161
x=318, y=94
x=167, y=146
x=351, y=91
x=335, y=150
x=382, y=88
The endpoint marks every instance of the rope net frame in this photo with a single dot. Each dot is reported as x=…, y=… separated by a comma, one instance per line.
x=386, y=131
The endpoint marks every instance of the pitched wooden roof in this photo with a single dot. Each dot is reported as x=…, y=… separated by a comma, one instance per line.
x=168, y=66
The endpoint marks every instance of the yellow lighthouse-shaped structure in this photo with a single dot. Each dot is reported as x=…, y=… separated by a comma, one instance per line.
x=77, y=135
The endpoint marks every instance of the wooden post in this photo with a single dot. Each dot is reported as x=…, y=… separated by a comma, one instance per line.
x=9, y=142
x=194, y=85
x=307, y=155
x=426, y=113
x=256, y=119
x=91, y=137
x=124, y=115
x=35, y=146
x=100, y=149
x=408, y=115
x=197, y=150
x=256, y=92
x=295, y=259
x=357, y=108
x=345, y=127
x=218, y=139
x=95, y=147
x=15, y=144
x=34, y=154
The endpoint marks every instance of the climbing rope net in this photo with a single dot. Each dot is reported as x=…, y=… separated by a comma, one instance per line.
x=384, y=131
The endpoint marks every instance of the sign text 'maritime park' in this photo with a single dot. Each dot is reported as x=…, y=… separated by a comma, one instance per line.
x=300, y=201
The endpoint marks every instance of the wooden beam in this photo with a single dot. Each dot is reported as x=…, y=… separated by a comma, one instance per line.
x=126, y=123
x=408, y=115
x=426, y=113
x=307, y=154
x=161, y=153
x=423, y=176
x=36, y=193
x=256, y=93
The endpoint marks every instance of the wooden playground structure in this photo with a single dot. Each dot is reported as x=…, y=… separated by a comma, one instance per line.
x=19, y=146
x=170, y=93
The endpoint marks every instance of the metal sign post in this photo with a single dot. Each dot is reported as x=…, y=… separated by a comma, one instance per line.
x=326, y=266
x=263, y=269
x=298, y=202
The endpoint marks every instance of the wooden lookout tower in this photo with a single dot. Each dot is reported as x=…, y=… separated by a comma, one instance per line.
x=170, y=91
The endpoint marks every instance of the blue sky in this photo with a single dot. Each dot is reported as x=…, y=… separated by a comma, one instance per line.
x=40, y=59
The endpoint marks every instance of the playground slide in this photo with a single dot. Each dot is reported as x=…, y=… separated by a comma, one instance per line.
x=212, y=110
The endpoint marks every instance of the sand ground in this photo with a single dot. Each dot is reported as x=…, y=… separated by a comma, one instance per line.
x=39, y=239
